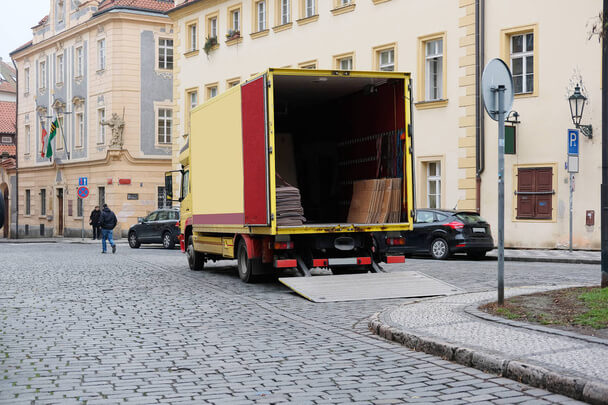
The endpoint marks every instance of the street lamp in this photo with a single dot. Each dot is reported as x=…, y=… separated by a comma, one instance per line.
x=577, y=105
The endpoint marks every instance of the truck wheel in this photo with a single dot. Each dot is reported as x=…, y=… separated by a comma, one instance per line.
x=168, y=242
x=196, y=260
x=244, y=264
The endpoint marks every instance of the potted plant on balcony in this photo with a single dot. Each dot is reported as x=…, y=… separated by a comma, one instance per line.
x=209, y=44
x=233, y=34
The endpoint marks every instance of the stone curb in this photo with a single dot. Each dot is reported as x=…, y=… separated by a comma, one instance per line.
x=572, y=386
x=552, y=260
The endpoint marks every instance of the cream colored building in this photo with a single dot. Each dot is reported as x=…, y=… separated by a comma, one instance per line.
x=445, y=45
x=88, y=62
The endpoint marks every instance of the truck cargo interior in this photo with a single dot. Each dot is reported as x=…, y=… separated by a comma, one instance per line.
x=327, y=149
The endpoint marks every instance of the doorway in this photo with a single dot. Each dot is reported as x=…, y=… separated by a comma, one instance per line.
x=7, y=210
x=60, y=211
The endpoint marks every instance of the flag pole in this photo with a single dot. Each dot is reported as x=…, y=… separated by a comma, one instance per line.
x=65, y=144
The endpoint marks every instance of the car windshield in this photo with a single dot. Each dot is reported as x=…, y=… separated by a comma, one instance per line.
x=469, y=218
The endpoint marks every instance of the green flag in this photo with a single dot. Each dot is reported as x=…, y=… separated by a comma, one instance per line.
x=49, y=149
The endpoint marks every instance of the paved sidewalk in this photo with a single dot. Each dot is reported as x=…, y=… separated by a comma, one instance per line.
x=451, y=327
x=550, y=255
x=61, y=240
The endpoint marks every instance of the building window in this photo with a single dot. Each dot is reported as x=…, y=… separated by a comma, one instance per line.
x=26, y=76
x=42, y=201
x=79, y=62
x=79, y=130
x=79, y=207
x=285, y=11
x=102, y=196
x=165, y=118
x=212, y=27
x=308, y=65
x=309, y=8
x=101, y=50
x=192, y=101
x=260, y=15
x=535, y=193
x=230, y=83
x=28, y=135
x=344, y=62
x=162, y=198
x=234, y=16
x=433, y=72
x=386, y=60
x=101, y=129
x=59, y=78
x=211, y=91
x=165, y=53
x=28, y=202
x=42, y=79
x=192, y=37
x=522, y=62
x=433, y=184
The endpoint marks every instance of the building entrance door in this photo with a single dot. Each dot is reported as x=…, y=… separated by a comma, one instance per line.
x=60, y=211
x=6, y=214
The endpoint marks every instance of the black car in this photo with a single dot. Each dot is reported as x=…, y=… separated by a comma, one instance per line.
x=441, y=233
x=160, y=226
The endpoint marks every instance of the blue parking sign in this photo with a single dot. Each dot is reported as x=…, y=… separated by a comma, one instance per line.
x=573, y=137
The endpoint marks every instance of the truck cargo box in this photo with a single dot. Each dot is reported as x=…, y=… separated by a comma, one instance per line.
x=304, y=151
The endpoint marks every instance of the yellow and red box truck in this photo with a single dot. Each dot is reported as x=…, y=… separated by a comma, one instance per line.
x=270, y=166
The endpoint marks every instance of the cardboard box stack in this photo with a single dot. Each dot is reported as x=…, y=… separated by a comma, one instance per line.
x=375, y=201
x=289, y=204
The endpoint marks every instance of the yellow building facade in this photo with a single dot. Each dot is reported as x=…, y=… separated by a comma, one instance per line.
x=445, y=45
x=103, y=69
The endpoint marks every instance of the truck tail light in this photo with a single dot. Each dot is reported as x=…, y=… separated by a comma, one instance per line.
x=455, y=225
x=283, y=245
x=395, y=241
x=177, y=224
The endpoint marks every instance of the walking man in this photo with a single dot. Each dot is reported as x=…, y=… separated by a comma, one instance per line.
x=94, y=221
x=108, y=221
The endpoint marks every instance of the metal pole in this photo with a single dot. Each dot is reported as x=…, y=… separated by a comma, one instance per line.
x=500, y=91
x=82, y=230
x=570, y=176
x=604, y=189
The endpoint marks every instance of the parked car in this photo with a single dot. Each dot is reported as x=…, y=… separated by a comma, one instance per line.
x=160, y=226
x=441, y=233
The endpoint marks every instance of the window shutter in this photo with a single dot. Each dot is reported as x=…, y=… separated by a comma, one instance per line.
x=544, y=182
x=526, y=202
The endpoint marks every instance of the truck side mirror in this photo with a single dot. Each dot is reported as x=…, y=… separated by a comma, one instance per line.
x=169, y=186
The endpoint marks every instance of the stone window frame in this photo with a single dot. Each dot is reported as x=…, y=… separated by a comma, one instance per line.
x=505, y=52
x=337, y=59
x=310, y=64
x=377, y=50
x=164, y=106
x=421, y=82
x=209, y=87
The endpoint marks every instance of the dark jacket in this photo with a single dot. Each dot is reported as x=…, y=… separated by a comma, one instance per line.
x=107, y=220
x=94, y=218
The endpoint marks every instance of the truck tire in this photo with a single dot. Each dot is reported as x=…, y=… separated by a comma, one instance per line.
x=196, y=260
x=244, y=263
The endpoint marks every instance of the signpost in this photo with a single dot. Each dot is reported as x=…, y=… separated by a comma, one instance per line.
x=497, y=91
x=573, y=141
x=83, y=192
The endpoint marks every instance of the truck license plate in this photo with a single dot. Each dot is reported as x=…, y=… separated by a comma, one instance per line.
x=479, y=230
x=342, y=261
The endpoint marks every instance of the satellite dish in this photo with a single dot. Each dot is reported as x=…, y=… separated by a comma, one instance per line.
x=495, y=74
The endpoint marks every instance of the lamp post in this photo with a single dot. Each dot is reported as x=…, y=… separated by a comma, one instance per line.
x=577, y=103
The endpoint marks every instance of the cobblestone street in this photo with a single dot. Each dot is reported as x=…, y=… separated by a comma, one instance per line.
x=139, y=327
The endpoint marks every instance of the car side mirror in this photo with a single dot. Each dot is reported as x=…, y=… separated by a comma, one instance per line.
x=140, y=220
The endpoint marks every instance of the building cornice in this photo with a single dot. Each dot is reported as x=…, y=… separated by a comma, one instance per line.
x=91, y=23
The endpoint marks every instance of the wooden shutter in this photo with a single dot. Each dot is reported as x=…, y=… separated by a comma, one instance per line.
x=535, y=180
x=525, y=202
x=544, y=183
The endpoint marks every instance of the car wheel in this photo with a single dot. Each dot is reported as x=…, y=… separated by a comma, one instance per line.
x=133, y=241
x=439, y=249
x=244, y=264
x=477, y=255
x=196, y=260
x=168, y=242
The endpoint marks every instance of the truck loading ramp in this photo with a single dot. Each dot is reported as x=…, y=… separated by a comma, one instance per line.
x=368, y=286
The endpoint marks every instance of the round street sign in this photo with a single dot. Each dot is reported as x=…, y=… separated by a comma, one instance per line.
x=496, y=73
x=83, y=192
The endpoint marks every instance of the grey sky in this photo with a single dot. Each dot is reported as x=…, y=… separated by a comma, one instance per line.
x=17, y=21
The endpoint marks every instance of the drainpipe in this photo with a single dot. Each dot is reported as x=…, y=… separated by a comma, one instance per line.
x=479, y=109
x=16, y=236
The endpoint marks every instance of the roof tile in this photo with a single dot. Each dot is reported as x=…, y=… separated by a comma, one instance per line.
x=7, y=117
x=148, y=5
